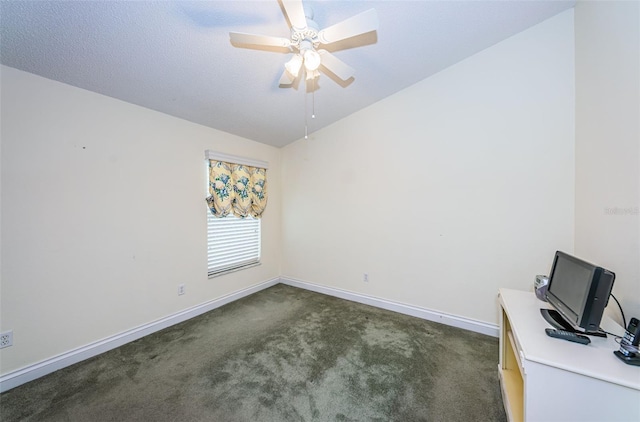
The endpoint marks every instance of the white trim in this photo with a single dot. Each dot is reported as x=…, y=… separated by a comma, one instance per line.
x=235, y=159
x=415, y=311
x=47, y=366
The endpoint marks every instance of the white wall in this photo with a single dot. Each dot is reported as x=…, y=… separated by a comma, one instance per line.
x=103, y=215
x=608, y=143
x=448, y=190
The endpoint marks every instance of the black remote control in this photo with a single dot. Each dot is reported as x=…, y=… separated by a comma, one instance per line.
x=568, y=335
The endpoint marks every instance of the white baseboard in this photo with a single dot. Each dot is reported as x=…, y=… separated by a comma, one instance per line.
x=415, y=311
x=47, y=366
x=40, y=369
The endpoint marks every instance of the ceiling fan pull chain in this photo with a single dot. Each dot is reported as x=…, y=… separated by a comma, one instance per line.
x=306, y=134
x=313, y=100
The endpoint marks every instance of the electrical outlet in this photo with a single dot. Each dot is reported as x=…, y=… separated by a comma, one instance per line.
x=181, y=289
x=6, y=339
x=365, y=278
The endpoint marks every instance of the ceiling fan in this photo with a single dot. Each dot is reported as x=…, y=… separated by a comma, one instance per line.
x=305, y=39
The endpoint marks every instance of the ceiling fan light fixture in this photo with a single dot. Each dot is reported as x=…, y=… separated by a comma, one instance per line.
x=312, y=74
x=311, y=60
x=293, y=66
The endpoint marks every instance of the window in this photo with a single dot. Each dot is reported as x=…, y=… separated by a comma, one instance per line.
x=237, y=188
x=232, y=243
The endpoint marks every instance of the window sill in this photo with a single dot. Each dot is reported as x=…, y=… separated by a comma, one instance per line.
x=233, y=270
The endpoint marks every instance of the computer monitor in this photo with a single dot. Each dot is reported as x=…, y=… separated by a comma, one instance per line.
x=579, y=293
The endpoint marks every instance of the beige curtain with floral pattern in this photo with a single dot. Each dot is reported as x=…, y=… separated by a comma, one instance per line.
x=236, y=189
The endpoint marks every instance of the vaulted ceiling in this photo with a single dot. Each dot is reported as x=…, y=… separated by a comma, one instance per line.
x=176, y=56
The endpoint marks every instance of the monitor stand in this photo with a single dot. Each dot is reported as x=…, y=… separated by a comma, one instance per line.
x=554, y=318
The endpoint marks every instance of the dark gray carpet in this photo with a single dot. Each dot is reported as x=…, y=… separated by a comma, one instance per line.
x=283, y=354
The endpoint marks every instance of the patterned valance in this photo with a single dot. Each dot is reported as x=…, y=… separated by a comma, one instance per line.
x=236, y=189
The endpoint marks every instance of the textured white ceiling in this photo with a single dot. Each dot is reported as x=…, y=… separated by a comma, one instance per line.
x=176, y=57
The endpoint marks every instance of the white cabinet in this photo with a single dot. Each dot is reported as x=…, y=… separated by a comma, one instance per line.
x=547, y=379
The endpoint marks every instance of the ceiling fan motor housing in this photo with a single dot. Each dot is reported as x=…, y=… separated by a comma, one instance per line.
x=310, y=33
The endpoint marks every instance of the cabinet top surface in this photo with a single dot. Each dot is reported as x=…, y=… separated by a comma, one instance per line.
x=595, y=360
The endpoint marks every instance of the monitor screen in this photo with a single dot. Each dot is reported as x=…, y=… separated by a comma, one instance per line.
x=571, y=282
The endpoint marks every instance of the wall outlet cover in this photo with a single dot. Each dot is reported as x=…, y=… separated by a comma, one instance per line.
x=6, y=339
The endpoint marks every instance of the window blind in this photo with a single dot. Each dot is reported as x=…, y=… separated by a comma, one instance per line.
x=232, y=242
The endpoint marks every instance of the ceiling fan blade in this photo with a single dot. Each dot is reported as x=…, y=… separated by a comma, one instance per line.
x=286, y=78
x=359, y=24
x=242, y=38
x=295, y=13
x=335, y=65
